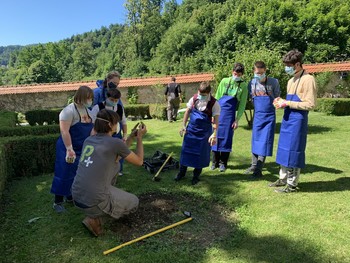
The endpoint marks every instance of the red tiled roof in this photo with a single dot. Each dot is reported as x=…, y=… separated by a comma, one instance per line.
x=327, y=67
x=124, y=83
x=140, y=82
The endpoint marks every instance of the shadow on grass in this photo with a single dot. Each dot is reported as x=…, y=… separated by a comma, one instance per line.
x=312, y=129
x=340, y=184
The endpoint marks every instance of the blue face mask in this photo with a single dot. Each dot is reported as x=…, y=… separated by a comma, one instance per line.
x=259, y=77
x=289, y=70
x=202, y=97
x=111, y=103
x=235, y=78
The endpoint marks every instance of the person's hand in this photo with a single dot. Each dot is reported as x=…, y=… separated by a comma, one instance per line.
x=70, y=155
x=125, y=137
x=212, y=139
x=235, y=125
x=280, y=103
x=182, y=131
x=141, y=130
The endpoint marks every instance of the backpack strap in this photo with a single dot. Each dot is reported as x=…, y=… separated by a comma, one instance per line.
x=120, y=111
x=101, y=106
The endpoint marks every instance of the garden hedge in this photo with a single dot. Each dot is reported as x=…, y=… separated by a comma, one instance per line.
x=332, y=106
x=29, y=130
x=35, y=117
x=8, y=118
x=28, y=155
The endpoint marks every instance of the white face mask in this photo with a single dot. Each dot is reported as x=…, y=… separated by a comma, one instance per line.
x=118, y=128
x=88, y=103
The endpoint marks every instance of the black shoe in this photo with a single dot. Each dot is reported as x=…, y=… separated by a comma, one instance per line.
x=256, y=175
x=179, y=177
x=286, y=190
x=195, y=180
x=278, y=183
x=250, y=170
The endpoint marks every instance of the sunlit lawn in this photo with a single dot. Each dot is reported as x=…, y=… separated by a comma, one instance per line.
x=312, y=225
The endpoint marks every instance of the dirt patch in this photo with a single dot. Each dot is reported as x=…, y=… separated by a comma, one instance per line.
x=211, y=223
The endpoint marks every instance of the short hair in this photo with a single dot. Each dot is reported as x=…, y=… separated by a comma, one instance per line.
x=114, y=93
x=110, y=76
x=292, y=57
x=204, y=87
x=260, y=64
x=105, y=120
x=83, y=94
x=238, y=67
x=173, y=79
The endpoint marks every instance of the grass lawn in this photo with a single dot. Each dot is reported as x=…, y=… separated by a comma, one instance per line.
x=312, y=225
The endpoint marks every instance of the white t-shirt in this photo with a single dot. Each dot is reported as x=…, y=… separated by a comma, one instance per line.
x=70, y=113
x=202, y=105
x=96, y=109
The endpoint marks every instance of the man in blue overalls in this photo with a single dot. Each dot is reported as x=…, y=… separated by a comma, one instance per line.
x=301, y=98
x=263, y=90
x=232, y=91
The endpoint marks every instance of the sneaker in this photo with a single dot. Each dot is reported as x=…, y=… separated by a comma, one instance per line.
x=195, y=180
x=222, y=168
x=120, y=174
x=213, y=167
x=59, y=208
x=69, y=200
x=93, y=225
x=256, y=175
x=278, y=183
x=179, y=177
x=250, y=170
x=287, y=189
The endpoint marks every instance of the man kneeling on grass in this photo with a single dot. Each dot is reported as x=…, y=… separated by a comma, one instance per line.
x=93, y=190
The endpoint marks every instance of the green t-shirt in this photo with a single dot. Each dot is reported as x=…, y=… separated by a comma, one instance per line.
x=240, y=90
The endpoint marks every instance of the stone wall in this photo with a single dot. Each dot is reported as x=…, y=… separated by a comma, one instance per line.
x=48, y=100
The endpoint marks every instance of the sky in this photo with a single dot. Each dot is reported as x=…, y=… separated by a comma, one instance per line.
x=24, y=22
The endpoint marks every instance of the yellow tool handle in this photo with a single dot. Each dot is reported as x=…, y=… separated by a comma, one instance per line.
x=148, y=235
x=161, y=168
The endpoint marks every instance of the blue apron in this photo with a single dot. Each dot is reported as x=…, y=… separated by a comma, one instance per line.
x=227, y=116
x=263, y=125
x=195, y=147
x=292, y=140
x=65, y=172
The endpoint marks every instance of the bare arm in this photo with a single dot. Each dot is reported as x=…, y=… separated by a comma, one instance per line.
x=64, y=128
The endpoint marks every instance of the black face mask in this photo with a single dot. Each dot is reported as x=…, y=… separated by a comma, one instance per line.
x=111, y=85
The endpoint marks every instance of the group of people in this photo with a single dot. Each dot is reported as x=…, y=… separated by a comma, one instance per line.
x=88, y=158
x=212, y=121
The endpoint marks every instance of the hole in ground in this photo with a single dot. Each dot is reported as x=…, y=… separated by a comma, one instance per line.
x=211, y=221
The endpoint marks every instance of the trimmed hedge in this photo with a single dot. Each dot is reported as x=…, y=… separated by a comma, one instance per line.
x=29, y=130
x=8, y=118
x=158, y=111
x=3, y=170
x=138, y=110
x=40, y=116
x=29, y=155
x=331, y=106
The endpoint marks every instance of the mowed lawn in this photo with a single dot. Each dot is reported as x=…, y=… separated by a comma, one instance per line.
x=312, y=225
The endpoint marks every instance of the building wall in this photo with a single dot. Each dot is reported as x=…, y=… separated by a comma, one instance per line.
x=47, y=100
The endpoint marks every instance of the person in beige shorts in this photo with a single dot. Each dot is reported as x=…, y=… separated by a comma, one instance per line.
x=93, y=191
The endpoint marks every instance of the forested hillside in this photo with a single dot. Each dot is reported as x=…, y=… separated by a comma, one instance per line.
x=162, y=37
